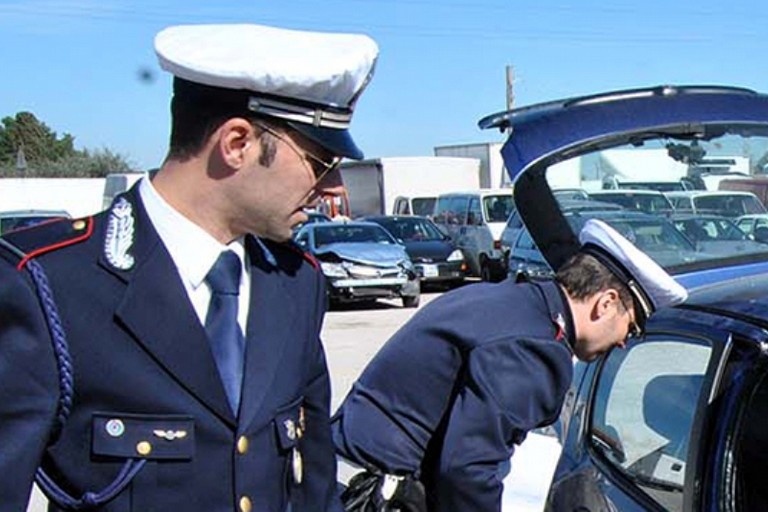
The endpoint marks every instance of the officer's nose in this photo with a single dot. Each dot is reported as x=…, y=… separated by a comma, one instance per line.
x=331, y=183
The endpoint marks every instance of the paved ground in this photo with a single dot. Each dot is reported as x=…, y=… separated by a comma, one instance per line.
x=352, y=335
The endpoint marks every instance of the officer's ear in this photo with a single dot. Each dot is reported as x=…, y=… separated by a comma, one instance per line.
x=605, y=303
x=234, y=139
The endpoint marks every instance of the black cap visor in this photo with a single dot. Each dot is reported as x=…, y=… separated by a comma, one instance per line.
x=335, y=141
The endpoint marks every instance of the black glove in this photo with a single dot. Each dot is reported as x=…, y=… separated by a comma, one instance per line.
x=377, y=492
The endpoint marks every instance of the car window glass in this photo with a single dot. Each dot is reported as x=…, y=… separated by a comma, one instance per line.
x=401, y=207
x=643, y=412
x=751, y=460
x=498, y=207
x=682, y=203
x=525, y=242
x=514, y=220
x=745, y=225
x=458, y=210
x=424, y=206
x=442, y=210
x=475, y=214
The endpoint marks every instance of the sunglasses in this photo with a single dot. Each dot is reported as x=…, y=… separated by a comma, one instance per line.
x=634, y=330
x=320, y=168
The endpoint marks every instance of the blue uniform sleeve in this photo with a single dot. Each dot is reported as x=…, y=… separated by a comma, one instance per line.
x=28, y=387
x=511, y=388
x=319, y=460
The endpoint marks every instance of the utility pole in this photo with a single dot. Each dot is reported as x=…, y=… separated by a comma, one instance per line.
x=504, y=178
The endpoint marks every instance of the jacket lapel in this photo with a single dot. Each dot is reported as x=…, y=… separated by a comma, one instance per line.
x=156, y=310
x=268, y=332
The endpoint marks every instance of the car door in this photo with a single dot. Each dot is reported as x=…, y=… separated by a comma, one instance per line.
x=467, y=237
x=634, y=439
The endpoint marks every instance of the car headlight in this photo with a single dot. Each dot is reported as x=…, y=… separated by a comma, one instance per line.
x=333, y=269
x=407, y=264
x=456, y=255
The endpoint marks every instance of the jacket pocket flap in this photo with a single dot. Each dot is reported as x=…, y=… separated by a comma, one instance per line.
x=147, y=436
x=288, y=424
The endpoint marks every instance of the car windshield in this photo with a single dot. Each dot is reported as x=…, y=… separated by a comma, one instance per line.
x=423, y=205
x=331, y=233
x=663, y=186
x=498, y=207
x=709, y=229
x=412, y=229
x=649, y=203
x=649, y=233
x=731, y=205
x=657, y=157
x=573, y=194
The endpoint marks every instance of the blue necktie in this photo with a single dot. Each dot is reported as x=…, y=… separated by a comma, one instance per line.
x=224, y=333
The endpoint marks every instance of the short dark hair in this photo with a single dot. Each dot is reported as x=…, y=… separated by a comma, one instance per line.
x=198, y=110
x=583, y=276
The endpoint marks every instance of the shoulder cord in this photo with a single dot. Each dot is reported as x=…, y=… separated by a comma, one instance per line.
x=66, y=392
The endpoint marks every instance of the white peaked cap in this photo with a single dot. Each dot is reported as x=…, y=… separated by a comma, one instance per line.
x=651, y=286
x=309, y=79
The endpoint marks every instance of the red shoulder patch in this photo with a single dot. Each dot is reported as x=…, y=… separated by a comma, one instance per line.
x=311, y=259
x=80, y=229
x=304, y=254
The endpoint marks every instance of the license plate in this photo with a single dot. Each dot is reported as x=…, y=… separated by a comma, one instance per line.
x=430, y=271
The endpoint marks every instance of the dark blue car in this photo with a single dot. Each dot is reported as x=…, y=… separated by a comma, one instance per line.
x=677, y=420
x=435, y=256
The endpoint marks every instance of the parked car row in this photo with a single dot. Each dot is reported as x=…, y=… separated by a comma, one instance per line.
x=385, y=256
x=361, y=261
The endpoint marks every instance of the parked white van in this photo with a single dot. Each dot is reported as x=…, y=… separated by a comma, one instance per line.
x=716, y=202
x=475, y=220
x=416, y=205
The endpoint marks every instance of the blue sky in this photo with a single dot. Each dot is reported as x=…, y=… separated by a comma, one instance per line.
x=76, y=64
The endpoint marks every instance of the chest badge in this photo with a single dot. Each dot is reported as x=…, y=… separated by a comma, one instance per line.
x=290, y=429
x=170, y=435
x=120, y=235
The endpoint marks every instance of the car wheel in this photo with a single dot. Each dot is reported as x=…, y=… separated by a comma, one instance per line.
x=411, y=301
x=485, y=272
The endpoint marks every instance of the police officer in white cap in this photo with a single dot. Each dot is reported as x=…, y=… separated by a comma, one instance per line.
x=448, y=397
x=172, y=360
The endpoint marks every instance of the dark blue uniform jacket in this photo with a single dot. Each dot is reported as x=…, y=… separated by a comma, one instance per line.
x=452, y=392
x=146, y=385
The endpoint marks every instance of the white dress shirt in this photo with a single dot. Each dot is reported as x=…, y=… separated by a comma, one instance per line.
x=194, y=252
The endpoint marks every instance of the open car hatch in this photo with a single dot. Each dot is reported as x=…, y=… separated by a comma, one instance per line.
x=689, y=126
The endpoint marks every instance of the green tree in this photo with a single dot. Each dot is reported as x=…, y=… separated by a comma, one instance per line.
x=49, y=155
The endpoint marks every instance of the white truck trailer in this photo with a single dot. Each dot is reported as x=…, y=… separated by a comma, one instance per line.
x=373, y=185
x=493, y=174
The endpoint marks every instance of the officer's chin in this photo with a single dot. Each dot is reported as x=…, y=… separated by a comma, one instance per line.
x=586, y=356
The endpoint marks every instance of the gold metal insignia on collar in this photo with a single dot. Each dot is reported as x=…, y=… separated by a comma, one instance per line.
x=170, y=435
x=120, y=234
